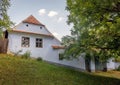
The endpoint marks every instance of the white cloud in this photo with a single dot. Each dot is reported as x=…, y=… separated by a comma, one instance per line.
x=52, y=13
x=42, y=11
x=55, y=34
x=61, y=19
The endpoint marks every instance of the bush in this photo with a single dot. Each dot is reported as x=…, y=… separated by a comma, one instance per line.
x=39, y=59
x=26, y=55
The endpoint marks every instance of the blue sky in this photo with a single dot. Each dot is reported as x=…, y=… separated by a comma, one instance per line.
x=51, y=13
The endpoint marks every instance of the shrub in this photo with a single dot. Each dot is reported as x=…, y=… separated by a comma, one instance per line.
x=39, y=59
x=26, y=55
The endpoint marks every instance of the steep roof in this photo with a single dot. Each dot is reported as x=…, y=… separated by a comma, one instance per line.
x=32, y=20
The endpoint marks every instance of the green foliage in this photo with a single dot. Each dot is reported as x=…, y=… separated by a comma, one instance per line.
x=39, y=59
x=26, y=55
x=4, y=18
x=67, y=40
x=117, y=59
x=96, y=28
x=17, y=71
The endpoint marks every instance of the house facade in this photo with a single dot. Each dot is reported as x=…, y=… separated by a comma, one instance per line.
x=33, y=36
x=30, y=35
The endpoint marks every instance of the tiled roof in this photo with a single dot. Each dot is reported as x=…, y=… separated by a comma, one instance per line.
x=57, y=47
x=32, y=20
x=22, y=31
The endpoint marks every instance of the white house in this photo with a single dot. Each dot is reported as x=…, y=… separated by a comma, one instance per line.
x=31, y=35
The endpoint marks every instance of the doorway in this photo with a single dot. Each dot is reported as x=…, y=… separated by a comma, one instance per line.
x=88, y=64
x=5, y=34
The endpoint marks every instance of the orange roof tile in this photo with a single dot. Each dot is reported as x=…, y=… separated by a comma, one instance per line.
x=57, y=47
x=32, y=20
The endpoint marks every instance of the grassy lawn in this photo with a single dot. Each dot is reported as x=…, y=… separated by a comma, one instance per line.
x=114, y=74
x=17, y=71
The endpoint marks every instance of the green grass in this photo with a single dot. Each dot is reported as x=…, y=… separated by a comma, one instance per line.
x=113, y=74
x=17, y=71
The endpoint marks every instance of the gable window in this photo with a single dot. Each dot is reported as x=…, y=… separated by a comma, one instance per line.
x=40, y=27
x=39, y=42
x=25, y=42
x=27, y=25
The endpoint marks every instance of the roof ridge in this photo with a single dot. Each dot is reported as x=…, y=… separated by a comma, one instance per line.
x=32, y=20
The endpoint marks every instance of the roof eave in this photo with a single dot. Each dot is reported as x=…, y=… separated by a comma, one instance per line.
x=31, y=33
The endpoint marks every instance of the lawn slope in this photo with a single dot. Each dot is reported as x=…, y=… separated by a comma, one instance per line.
x=17, y=71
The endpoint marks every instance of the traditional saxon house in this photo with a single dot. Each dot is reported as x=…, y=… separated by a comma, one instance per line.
x=33, y=36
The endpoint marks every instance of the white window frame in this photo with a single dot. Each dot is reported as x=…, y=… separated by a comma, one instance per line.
x=39, y=43
x=25, y=42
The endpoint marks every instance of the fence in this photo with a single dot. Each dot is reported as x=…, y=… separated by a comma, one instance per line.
x=3, y=45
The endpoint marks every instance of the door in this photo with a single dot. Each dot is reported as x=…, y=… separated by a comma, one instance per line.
x=88, y=64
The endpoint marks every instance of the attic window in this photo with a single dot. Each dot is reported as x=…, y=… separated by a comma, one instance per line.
x=27, y=25
x=40, y=27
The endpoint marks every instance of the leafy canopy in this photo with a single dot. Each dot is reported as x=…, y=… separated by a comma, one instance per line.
x=96, y=28
x=4, y=18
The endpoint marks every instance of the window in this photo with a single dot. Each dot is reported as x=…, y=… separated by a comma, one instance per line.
x=27, y=25
x=40, y=27
x=25, y=42
x=39, y=43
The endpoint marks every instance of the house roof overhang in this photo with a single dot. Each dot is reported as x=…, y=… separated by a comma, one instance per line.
x=22, y=31
x=58, y=47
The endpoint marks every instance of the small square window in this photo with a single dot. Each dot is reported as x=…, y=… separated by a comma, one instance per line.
x=40, y=27
x=25, y=42
x=39, y=43
x=27, y=25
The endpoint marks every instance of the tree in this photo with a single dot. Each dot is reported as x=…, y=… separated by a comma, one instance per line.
x=67, y=40
x=96, y=28
x=4, y=18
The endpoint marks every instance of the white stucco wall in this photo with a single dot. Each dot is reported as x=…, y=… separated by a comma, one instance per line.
x=117, y=64
x=92, y=65
x=15, y=40
x=15, y=44
x=110, y=64
x=76, y=63
x=47, y=52
x=32, y=28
